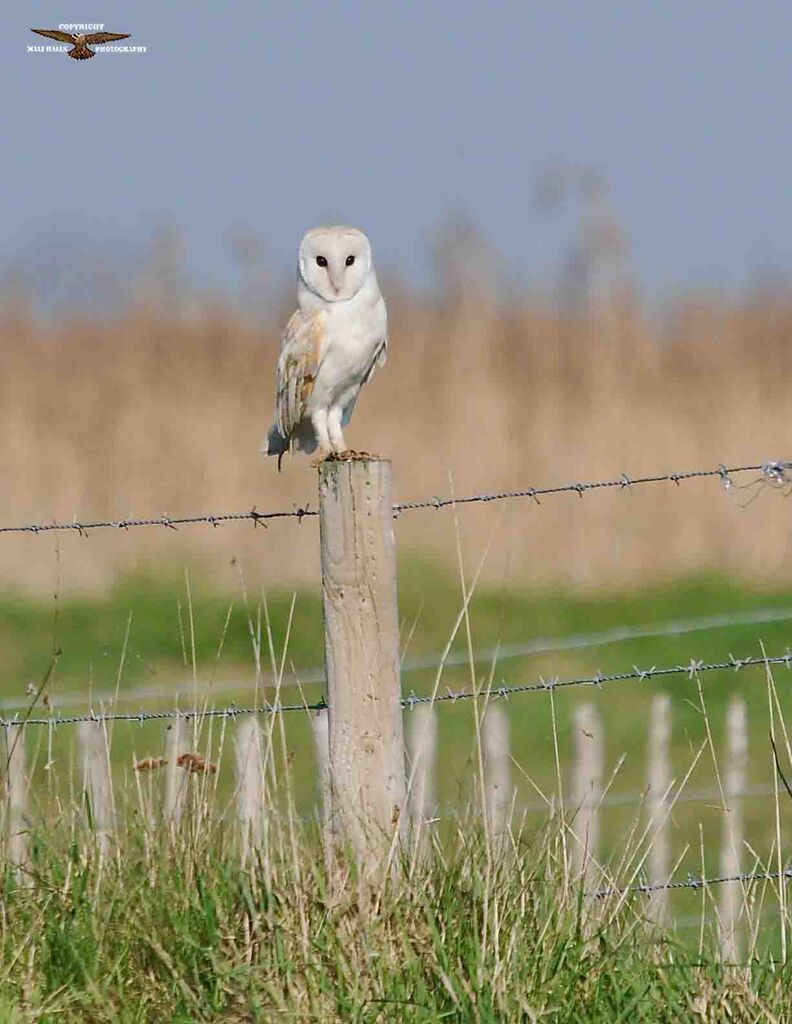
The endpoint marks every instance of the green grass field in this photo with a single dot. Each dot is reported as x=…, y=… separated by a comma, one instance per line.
x=173, y=929
x=170, y=928
x=181, y=641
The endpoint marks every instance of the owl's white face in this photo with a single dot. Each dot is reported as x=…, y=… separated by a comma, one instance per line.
x=334, y=262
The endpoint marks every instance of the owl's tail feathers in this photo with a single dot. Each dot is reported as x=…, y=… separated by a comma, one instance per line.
x=81, y=53
x=303, y=439
x=275, y=444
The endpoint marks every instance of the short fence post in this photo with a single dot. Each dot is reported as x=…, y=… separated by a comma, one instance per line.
x=366, y=741
x=16, y=795
x=586, y=791
x=496, y=744
x=249, y=785
x=97, y=781
x=733, y=786
x=175, y=778
x=658, y=803
x=422, y=747
x=324, y=809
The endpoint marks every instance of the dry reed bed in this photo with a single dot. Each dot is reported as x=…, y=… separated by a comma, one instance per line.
x=145, y=415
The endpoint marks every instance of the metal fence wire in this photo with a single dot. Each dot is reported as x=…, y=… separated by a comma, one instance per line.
x=777, y=473
x=692, y=881
x=692, y=670
x=774, y=473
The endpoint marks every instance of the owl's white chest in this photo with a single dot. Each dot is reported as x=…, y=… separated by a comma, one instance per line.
x=352, y=336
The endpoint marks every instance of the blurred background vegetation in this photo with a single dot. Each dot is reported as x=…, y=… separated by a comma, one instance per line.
x=157, y=401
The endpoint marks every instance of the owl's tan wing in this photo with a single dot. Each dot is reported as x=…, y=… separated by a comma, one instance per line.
x=106, y=37
x=62, y=37
x=378, y=360
x=297, y=368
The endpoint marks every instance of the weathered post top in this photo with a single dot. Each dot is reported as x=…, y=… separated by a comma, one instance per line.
x=362, y=655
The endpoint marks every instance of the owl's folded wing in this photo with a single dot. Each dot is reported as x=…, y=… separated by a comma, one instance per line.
x=378, y=360
x=297, y=368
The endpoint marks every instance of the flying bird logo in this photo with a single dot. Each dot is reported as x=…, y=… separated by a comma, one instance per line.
x=81, y=43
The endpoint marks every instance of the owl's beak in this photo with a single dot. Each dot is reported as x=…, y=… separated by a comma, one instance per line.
x=337, y=282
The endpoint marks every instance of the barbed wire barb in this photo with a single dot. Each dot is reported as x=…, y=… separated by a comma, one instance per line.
x=503, y=691
x=776, y=472
x=623, y=482
x=641, y=675
x=692, y=881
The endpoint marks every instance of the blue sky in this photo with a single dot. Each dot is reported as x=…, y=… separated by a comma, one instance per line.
x=270, y=117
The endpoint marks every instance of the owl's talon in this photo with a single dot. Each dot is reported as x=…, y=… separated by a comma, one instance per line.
x=350, y=455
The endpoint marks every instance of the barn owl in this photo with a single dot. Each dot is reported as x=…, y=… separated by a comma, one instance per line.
x=331, y=344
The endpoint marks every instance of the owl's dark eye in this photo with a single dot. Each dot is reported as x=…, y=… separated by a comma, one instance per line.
x=350, y=260
x=321, y=261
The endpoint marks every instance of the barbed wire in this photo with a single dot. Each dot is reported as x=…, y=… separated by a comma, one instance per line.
x=692, y=669
x=778, y=473
x=141, y=717
x=692, y=881
x=488, y=655
x=172, y=523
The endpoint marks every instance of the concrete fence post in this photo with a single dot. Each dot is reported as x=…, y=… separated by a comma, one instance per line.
x=499, y=790
x=732, y=893
x=324, y=803
x=422, y=747
x=97, y=781
x=587, y=792
x=16, y=794
x=175, y=779
x=658, y=803
x=250, y=786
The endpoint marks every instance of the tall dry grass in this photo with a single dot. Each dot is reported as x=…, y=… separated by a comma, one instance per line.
x=154, y=413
